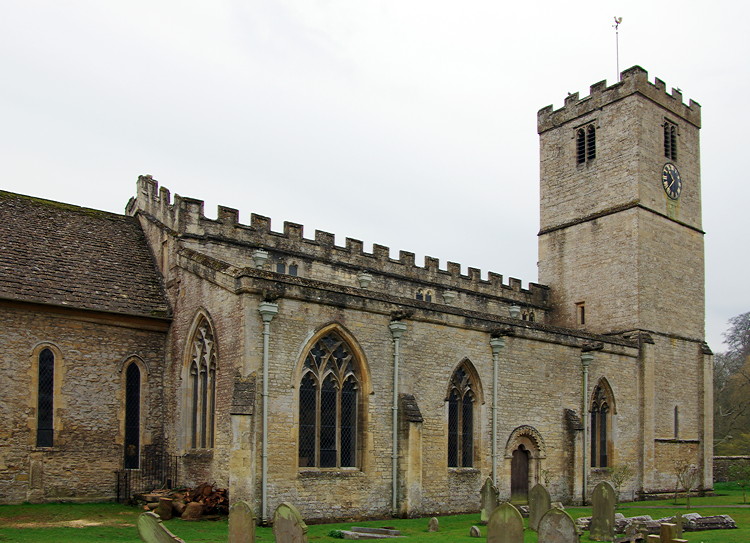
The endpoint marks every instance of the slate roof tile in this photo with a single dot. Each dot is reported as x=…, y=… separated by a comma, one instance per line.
x=62, y=254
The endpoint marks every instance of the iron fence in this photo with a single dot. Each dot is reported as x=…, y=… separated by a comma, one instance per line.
x=155, y=471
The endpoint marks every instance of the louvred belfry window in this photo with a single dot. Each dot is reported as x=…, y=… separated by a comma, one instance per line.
x=461, y=400
x=670, y=140
x=202, y=382
x=585, y=144
x=328, y=405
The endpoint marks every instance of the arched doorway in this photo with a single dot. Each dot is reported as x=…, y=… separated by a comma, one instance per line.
x=524, y=454
x=519, y=475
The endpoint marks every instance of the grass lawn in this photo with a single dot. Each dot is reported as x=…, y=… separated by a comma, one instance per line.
x=84, y=523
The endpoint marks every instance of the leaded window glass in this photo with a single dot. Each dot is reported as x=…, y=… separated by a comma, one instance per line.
x=45, y=399
x=328, y=405
x=132, y=416
x=601, y=422
x=202, y=379
x=461, y=399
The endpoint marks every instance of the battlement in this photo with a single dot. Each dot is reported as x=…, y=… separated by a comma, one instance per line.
x=185, y=218
x=632, y=81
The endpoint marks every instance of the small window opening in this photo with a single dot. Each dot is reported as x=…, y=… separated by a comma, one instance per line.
x=293, y=269
x=676, y=422
x=581, y=312
x=280, y=267
x=428, y=296
x=531, y=316
x=420, y=294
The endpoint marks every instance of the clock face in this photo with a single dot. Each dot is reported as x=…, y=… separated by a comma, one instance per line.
x=671, y=181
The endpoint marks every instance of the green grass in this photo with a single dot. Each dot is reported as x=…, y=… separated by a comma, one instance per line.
x=105, y=522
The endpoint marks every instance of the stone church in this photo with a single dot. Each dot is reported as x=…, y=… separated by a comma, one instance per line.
x=356, y=384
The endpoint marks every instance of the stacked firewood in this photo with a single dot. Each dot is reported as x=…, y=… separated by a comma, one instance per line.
x=203, y=501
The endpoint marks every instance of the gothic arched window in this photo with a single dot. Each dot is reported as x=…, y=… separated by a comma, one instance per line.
x=461, y=399
x=45, y=399
x=202, y=386
x=132, y=416
x=328, y=405
x=602, y=409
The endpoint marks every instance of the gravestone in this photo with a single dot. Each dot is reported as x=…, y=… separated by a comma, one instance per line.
x=539, y=504
x=603, y=513
x=677, y=520
x=668, y=531
x=505, y=525
x=488, y=498
x=474, y=532
x=288, y=526
x=433, y=525
x=151, y=530
x=241, y=523
x=557, y=526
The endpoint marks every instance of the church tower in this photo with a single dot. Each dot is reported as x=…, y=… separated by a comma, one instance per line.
x=621, y=240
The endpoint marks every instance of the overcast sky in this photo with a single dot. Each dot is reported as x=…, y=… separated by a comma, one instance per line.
x=406, y=123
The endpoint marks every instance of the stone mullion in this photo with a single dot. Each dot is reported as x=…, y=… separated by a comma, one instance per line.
x=338, y=425
x=318, y=429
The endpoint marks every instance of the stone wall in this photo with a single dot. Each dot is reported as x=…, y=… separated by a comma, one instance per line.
x=91, y=351
x=723, y=463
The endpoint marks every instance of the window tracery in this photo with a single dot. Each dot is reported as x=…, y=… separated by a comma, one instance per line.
x=601, y=426
x=202, y=382
x=461, y=399
x=328, y=405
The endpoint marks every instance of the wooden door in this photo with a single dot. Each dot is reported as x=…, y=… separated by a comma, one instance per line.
x=519, y=475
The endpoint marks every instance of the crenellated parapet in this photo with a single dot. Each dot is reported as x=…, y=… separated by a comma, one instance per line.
x=321, y=258
x=633, y=80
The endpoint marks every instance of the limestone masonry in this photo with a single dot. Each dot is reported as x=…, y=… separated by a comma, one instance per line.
x=356, y=384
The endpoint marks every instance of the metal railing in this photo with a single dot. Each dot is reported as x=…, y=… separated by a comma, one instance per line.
x=155, y=471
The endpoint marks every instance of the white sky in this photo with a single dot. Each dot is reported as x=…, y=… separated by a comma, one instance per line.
x=408, y=123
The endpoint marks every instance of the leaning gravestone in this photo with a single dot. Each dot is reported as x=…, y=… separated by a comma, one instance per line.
x=151, y=530
x=433, y=525
x=241, y=523
x=539, y=504
x=488, y=497
x=505, y=525
x=603, y=513
x=288, y=526
x=474, y=532
x=557, y=526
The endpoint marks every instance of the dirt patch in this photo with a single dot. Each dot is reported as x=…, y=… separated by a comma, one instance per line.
x=78, y=523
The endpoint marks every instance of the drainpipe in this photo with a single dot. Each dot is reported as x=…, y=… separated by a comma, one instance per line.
x=267, y=312
x=586, y=358
x=397, y=329
x=496, y=343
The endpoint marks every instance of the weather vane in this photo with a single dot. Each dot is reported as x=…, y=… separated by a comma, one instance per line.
x=616, y=26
